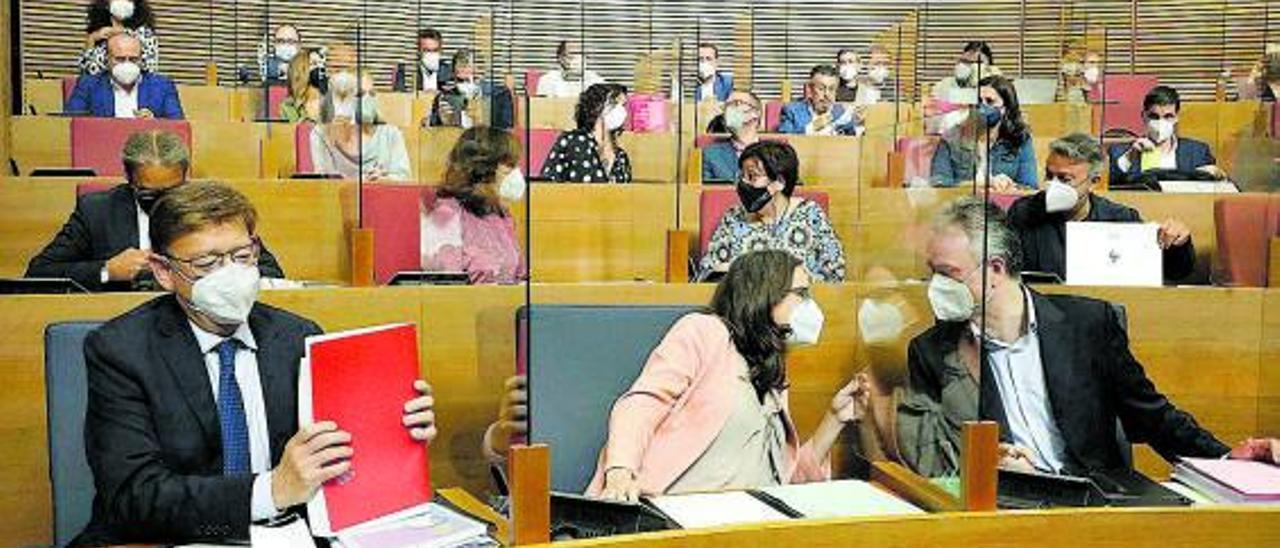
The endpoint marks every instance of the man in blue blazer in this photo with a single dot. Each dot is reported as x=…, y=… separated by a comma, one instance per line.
x=124, y=91
x=819, y=113
x=710, y=79
x=1161, y=147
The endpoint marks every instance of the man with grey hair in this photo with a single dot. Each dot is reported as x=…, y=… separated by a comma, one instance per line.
x=1073, y=169
x=104, y=245
x=125, y=91
x=1058, y=375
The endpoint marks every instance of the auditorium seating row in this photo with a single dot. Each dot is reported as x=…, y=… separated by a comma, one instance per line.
x=1226, y=374
x=621, y=232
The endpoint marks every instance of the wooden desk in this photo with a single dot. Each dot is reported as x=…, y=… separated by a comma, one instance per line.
x=206, y=103
x=43, y=95
x=1132, y=528
x=41, y=141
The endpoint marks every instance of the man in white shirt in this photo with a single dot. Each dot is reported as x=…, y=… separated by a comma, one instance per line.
x=1161, y=148
x=191, y=426
x=571, y=79
x=433, y=68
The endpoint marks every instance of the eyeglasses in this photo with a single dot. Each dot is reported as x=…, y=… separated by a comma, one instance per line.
x=245, y=255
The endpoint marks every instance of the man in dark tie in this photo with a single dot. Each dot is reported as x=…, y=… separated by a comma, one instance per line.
x=1058, y=375
x=192, y=429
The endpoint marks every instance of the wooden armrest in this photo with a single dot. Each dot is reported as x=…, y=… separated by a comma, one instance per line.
x=913, y=488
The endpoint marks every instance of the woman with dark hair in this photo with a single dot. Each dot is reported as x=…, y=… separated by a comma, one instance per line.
x=466, y=228
x=771, y=217
x=709, y=411
x=590, y=153
x=962, y=153
x=107, y=18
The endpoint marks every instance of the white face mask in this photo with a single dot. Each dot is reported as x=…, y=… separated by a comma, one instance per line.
x=1091, y=74
x=805, y=323
x=735, y=118
x=963, y=72
x=286, y=52
x=227, y=295
x=849, y=71
x=950, y=299
x=1161, y=130
x=615, y=118
x=122, y=9
x=431, y=60
x=572, y=63
x=1060, y=197
x=879, y=322
x=879, y=74
x=513, y=186
x=706, y=69
x=345, y=108
x=343, y=84
x=126, y=73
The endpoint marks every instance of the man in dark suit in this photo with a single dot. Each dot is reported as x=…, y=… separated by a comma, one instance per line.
x=191, y=428
x=1161, y=147
x=104, y=246
x=1073, y=168
x=433, y=69
x=124, y=91
x=1058, y=371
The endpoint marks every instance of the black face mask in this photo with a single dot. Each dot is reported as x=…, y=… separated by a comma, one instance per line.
x=147, y=198
x=319, y=79
x=753, y=199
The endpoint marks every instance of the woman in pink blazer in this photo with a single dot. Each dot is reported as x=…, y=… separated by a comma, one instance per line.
x=709, y=411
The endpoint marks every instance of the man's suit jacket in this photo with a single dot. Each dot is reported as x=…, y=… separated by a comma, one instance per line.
x=102, y=225
x=1190, y=154
x=152, y=435
x=94, y=96
x=722, y=86
x=1091, y=379
x=443, y=74
x=796, y=116
x=1044, y=235
x=502, y=113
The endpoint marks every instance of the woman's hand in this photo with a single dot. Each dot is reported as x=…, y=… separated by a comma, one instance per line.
x=851, y=403
x=620, y=484
x=1013, y=457
x=104, y=33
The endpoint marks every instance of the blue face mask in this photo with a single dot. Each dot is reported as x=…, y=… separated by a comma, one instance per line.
x=990, y=115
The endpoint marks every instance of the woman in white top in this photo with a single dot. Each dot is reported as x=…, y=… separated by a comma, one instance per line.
x=352, y=140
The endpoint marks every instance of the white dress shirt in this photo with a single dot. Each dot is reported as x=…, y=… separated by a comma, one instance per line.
x=255, y=411
x=1019, y=375
x=553, y=84
x=430, y=78
x=144, y=228
x=126, y=100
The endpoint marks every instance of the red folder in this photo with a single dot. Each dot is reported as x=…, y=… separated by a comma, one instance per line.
x=361, y=381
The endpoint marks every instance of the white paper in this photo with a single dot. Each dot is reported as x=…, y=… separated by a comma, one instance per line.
x=1198, y=187
x=1115, y=254
x=431, y=526
x=839, y=499
x=291, y=535
x=715, y=509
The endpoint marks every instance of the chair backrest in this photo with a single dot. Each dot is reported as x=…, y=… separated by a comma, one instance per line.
x=302, y=148
x=581, y=358
x=531, y=79
x=715, y=201
x=89, y=187
x=772, y=115
x=540, y=142
x=276, y=94
x=68, y=87
x=1123, y=97
x=96, y=143
x=1245, y=224
x=65, y=395
x=393, y=212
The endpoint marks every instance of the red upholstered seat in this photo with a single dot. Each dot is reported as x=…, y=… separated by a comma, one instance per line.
x=772, y=115
x=393, y=212
x=68, y=86
x=917, y=154
x=1123, y=100
x=1245, y=224
x=96, y=143
x=531, y=78
x=715, y=201
x=302, y=148
x=535, y=156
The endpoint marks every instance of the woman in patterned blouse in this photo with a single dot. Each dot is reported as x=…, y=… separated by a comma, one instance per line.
x=769, y=217
x=107, y=18
x=590, y=154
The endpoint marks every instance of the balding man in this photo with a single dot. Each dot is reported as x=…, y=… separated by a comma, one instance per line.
x=124, y=90
x=105, y=246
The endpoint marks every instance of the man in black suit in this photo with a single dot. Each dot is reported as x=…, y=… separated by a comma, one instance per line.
x=1058, y=372
x=104, y=245
x=1073, y=168
x=191, y=428
x=1161, y=147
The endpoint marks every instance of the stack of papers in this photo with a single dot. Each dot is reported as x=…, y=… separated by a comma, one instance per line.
x=841, y=499
x=435, y=527
x=1231, y=481
x=716, y=509
x=836, y=499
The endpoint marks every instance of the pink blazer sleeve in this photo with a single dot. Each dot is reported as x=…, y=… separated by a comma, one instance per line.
x=671, y=369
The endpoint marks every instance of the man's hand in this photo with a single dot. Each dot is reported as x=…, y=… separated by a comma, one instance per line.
x=1258, y=449
x=1173, y=233
x=1213, y=171
x=1013, y=457
x=620, y=484
x=316, y=454
x=126, y=265
x=1142, y=144
x=1003, y=184
x=420, y=414
x=144, y=113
